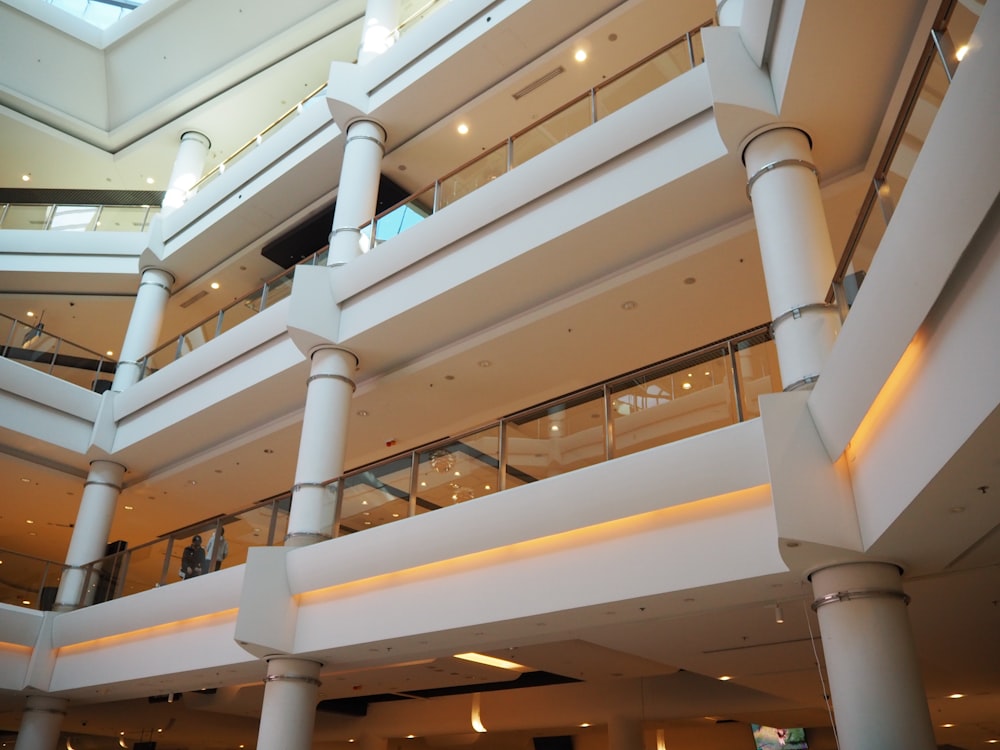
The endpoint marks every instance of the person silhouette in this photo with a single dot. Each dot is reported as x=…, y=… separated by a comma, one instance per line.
x=193, y=559
x=219, y=546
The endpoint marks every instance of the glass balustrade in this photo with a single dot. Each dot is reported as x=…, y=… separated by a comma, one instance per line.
x=661, y=67
x=27, y=581
x=76, y=218
x=700, y=391
x=31, y=345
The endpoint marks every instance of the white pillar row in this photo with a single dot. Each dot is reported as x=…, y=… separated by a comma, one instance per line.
x=189, y=166
x=288, y=713
x=378, y=32
x=322, y=447
x=90, y=532
x=40, y=723
x=871, y=659
x=144, y=326
x=795, y=249
x=357, y=195
x=624, y=733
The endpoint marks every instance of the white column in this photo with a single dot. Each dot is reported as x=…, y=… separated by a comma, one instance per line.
x=729, y=12
x=878, y=697
x=795, y=250
x=288, y=713
x=40, y=723
x=322, y=446
x=624, y=733
x=377, y=35
x=144, y=326
x=90, y=532
x=358, y=192
x=189, y=166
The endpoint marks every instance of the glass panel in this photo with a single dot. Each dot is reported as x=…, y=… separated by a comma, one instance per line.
x=557, y=439
x=200, y=335
x=233, y=315
x=673, y=402
x=757, y=366
x=398, y=220
x=143, y=567
x=82, y=367
x=124, y=218
x=160, y=358
x=459, y=471
x=485, y=169
x=279, y=510
x=26, y=217
x=376, y=496
x=31, y=346
x=28, y=581
x=552, y=130
x=74, y=218
x=279, y=288
x=641, y=80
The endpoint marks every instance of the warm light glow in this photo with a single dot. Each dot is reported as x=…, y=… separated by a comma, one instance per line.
x=477, y=722
x=686, y=386
x=947, y=726
x=661, y=743
x=150, y=180
x=961, y=52
x=580, y=55
x=463, y=129
x=30, y=313
x=152, y=631
x=109, y=353
x=554, y=428
x=957, y=695
x=490, y=661
x=214, y=285
x=725, y=678
x=26, y=178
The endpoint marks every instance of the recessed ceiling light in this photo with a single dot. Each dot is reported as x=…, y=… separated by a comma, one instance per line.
x=490, y=661
x=30, y=521
x=109, y=353
x=150, y=180
x=686, y=386
x=362, y=412
x=25, y=479
x=26, y=178
x=30, y=313
x=214, y=285
x=961, y=52
x=580, y=55
x=129, y=507
x=585, y=724
x=26, y=601
x=629, y=305
x=725, y=678
x=463, y=129
x=947, y=726
x=957, y=695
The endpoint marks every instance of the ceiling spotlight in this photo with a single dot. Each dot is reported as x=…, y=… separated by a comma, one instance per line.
x=463, y=129
x=150, y=180
x=214, y=285
x=580, y=55
x=779, y=616
x=26, y=178
x=961, y=52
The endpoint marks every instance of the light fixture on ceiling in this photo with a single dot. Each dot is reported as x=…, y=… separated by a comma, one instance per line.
x=580, y=55
x=961, y=52
x=779, y=616
x=463, y=128
x=725, y=678
x=214, y=285
x=26, y=177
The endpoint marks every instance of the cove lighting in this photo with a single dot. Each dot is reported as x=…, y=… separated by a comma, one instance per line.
x=490, y=661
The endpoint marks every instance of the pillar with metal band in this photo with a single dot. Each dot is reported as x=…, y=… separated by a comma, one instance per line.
x=189, y=166
x=322, y=446
x=878, y=696
x=795, y=248
x=357, y=195
x=40, y=723
x=378, y=33
x=144, y=326
x=90, y=532
x=288, y=713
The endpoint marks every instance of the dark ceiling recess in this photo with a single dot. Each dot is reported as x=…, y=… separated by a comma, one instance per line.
x=313, y=234
x=82, y=197
x=359, y=706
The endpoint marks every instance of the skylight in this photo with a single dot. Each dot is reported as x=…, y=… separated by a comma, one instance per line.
x=100, y=13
